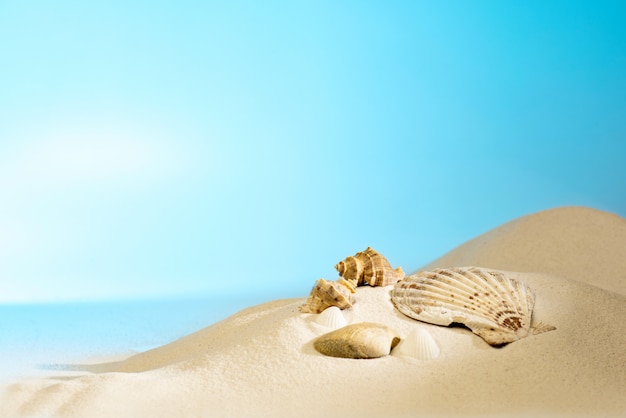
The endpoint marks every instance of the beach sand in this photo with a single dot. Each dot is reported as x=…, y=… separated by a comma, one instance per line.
x=577, y=243
x=261, y=362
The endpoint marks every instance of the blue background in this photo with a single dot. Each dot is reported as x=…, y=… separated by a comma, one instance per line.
x=170, y=149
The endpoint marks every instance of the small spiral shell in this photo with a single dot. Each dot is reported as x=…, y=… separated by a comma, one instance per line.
x=325, y=293
x=369, y=267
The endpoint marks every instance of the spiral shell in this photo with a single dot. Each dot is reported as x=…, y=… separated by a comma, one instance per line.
x=339, y=293
x=369, y=267
x=358, y=341
x=495, y=307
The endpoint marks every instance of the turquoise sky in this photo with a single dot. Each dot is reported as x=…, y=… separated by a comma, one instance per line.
x=170, y=148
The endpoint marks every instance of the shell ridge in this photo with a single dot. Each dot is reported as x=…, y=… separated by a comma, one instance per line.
x=510, y=314
x=369, y=267
x=369, y=271
x=450, y=280
x=458, y=280
x=419, y=345
x=431, y=303
x=435, y=285
x=332, y=318
x=378, y=267
x=435, y=298
x=488, y=280
x=500, y=298
x=450, y=305
x=470, y=285
x=526, y=299
x=351, y=268
x=523, y=307
x=434, y=289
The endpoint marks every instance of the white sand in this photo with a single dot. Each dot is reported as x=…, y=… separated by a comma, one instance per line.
x=260, y=362
x=573, y=242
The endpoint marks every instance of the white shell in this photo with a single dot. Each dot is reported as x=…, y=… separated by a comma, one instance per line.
x=419, y=344
x=331, y=318
x=495, y=307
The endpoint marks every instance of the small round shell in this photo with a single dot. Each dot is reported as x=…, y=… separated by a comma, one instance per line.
x=419, y=345
x=359, y=341
x=331, y=318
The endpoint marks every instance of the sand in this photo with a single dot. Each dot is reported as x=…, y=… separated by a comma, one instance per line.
x=572, y=242
x=260, y=362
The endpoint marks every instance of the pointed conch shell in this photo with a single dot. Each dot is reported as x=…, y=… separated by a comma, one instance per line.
x=331, y=318
x=495, y=307
x=359, y=341
x=369, y=267
x=419, y=345
x=324, y=294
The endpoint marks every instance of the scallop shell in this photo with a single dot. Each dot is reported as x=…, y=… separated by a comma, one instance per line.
x=339, y=293
x=369, y=267
x=359, y=341
x=332, y=318
x=495, y=307
x=419, y=344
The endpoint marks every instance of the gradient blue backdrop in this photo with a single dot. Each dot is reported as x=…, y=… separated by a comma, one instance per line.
x=171, y=148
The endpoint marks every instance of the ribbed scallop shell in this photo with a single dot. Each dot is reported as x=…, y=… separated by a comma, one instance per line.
x=339, y=293
x=419, y=345
x=331, y=318
x=359, y=341
x=495, y=307
x=369, y=267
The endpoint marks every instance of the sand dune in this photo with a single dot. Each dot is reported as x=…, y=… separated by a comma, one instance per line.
x=260, y=362
x=573, y=242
